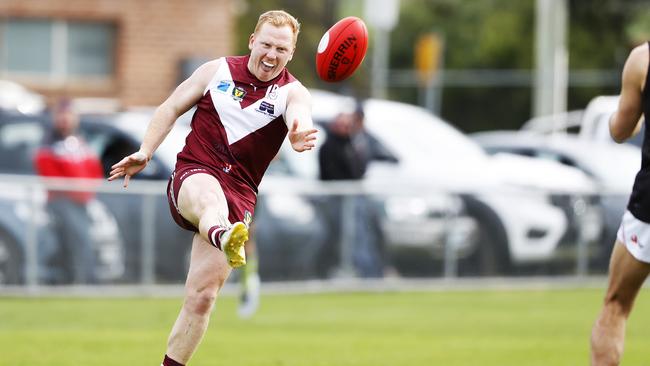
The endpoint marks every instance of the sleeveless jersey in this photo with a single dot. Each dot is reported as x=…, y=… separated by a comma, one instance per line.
x=239, y=123
x=639, y=204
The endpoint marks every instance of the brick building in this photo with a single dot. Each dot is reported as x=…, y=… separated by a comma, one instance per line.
x=133, y=50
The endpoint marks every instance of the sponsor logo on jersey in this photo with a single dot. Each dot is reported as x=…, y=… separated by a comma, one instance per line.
x=238, y=93
x=224, y=85
x=266, y=108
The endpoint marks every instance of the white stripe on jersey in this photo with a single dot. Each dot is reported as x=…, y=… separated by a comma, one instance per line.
x=240, y=122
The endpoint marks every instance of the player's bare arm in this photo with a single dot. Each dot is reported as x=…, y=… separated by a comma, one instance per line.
x=302, y=133
x=180, y=101
x=626, y=121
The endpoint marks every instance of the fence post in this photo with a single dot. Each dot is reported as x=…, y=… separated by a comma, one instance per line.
x=31, y=242
x=582, y=250
x=347, y=235
x=147, y=260
x=450, y=265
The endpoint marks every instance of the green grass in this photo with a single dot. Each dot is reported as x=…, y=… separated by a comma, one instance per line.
x=549, y=327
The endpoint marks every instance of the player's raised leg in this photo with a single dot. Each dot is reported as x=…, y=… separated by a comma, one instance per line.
x=626, y=276
x=202, y=202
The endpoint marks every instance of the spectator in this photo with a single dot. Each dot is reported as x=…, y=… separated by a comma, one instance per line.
x=344, y=156
x=65, y=154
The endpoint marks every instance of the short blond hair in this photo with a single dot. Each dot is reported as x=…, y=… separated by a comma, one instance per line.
x=279, y=18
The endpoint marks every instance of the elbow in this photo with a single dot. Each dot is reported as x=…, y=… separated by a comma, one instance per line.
x=618, y=136
x=618, y=133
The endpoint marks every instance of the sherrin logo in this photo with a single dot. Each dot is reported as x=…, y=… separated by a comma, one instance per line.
x=339, y=58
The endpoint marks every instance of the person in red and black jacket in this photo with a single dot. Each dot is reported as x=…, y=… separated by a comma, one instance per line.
x=65, y=154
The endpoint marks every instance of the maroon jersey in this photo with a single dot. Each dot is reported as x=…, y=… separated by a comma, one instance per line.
x=239, y=123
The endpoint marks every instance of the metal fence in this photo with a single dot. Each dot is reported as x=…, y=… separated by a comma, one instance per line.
x=317, y=230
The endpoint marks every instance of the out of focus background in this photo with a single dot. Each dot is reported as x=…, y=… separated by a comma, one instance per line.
x=486, y=164
x=485, y=123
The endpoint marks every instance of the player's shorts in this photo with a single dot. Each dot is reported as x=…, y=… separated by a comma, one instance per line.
x=635, y=235
x=240, y=197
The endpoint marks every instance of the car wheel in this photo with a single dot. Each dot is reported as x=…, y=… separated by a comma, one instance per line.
x=491, y=256
x=11, y=261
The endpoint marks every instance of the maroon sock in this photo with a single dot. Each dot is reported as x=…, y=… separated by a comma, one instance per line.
x=214, y=233
x=169, y=362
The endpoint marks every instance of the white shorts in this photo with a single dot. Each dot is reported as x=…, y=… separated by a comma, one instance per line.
x=635, y=235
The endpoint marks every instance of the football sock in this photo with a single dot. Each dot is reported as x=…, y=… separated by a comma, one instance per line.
x=251, y=266
x=214, y=233
x=169, y=362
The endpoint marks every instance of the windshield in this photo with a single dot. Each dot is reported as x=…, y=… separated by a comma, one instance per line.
x=135, y=123
x=615, y=166
x=413, y=133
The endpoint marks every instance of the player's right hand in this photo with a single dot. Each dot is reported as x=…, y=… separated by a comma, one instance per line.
x=128, y=167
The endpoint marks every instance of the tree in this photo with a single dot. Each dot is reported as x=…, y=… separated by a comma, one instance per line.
x=486, y=34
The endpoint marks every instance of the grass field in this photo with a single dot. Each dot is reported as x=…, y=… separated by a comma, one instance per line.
x=549, y=327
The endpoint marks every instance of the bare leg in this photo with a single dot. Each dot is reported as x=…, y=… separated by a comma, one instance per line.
x=626, y=277
x=202, y=202
x=207, y=274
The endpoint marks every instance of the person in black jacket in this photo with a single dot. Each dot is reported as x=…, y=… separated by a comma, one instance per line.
x=345, y=155
x=339, y=158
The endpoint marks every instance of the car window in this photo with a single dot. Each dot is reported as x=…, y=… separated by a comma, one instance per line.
x=18, y=144
x=112, y=145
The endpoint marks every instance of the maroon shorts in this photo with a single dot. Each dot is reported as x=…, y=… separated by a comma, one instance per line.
x=240, y=197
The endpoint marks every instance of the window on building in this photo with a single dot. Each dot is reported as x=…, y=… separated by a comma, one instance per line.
x=57, y=50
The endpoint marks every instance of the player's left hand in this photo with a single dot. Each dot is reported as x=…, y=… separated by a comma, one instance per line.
x=301, y=140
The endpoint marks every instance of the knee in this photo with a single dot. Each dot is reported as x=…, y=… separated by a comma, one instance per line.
x=618, y=304
x=200, y=302
x=207, y=201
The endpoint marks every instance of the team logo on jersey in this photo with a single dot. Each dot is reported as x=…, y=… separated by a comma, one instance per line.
x=227, y=168
x=266, y=108
x=272, y=92
x=224, y=85
x=238, y=93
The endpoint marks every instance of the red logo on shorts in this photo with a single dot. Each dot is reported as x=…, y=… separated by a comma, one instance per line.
x=635, y=240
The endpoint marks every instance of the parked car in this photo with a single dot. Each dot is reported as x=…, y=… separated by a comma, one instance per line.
x=518, y=220
x=591, y=124
x=15, y=97
x=23, y=208
x=611, y=166
x=595, y=122
x=115, y=135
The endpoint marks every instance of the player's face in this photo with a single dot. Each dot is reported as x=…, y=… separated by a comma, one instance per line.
x=271, y=49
